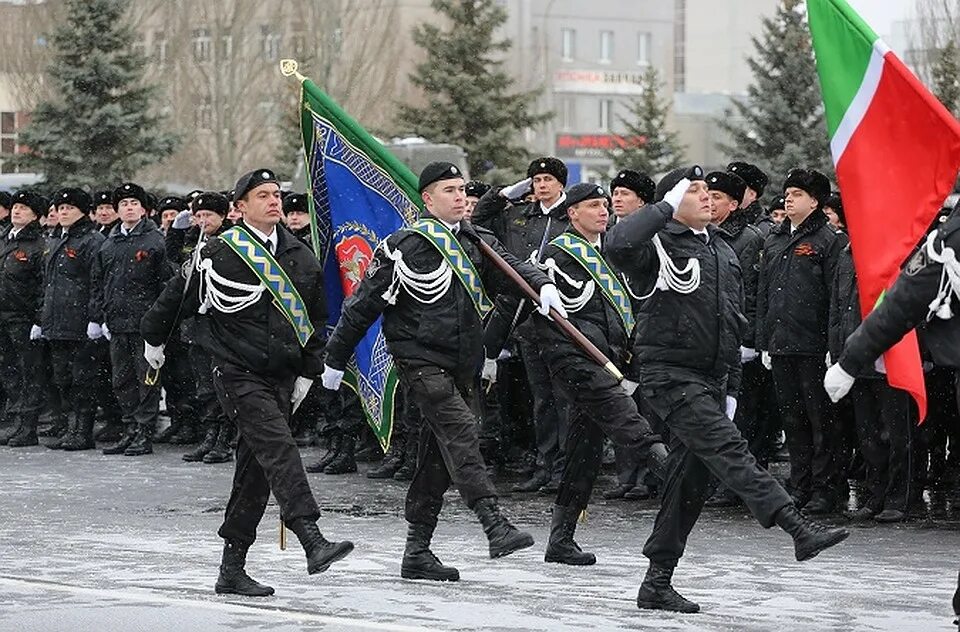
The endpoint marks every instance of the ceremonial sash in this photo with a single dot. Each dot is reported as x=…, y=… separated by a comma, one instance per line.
x=587, y=256
x=285, y=295
x=448, y=246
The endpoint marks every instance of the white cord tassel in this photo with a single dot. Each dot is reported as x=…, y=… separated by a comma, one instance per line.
x=672, y=277
x=571, y=304
x=949, y=278
x=426, y=288
x=214, y=296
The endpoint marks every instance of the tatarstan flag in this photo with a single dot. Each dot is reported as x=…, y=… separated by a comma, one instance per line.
x=896, y=150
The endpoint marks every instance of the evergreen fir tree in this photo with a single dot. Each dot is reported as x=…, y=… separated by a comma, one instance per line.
x=651, y=147
x=469, y=101
x=101, y=125
x=946, y=77
x=782, y=122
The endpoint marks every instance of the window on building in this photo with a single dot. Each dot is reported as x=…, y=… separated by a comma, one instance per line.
x=606, y=47
x=605, y=118
x=269, y=43
x=159, y=47
x=226, y=47
x=298, y=43
x=568, y=44
x=203, y=115
x=8, y=141
x=202, y=45
x=568, y=114
x=643, y=48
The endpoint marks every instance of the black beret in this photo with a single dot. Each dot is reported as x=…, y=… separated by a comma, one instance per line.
x=103, y=197
x=211, y=201
x=755, y=178
x=584, y=191
x=777, y=204
x=727, y=182
x=37, y=203
x=811, y=181
x=172, y=202
x=252, y=180
x=74, y=197
x=639, y=183
x=295, y=203
x=550, y=165
x=476, y=188
x=130, y=190
x=437, y=171
x=667, y=182
x=6, y=200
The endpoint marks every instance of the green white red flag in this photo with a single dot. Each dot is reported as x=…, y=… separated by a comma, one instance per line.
x=896, y=150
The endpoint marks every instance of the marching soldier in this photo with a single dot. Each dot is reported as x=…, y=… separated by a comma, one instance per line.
x=688, y=342
x=266, y=352
x=431, y=284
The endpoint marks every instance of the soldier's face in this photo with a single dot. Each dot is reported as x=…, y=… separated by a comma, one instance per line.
x=68, y=214
x=4, y=212
x=296, y=221
x=590, y=217
x=261, y=205
x=21, y=215
x=749, y=197
x=208, y=221
x=167, y=217
x=832, y=217
x=695, y=209
x=626, y=202
x=130, y=211
x=105, y=214
x=798, y=204
x=778, y=215
x=447, y=200
x=721, y=205
x=469, y=206
x=546, y=188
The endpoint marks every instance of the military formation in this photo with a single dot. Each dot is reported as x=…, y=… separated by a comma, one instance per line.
x=681, y=324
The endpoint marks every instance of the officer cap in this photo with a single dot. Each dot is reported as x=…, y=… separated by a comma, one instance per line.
x=295, y=203
x=476, y=188
x=777, y=204
x=37, y=203
x=251, y=180
x=211, y=201
x=811, y=181
x=130, y=190
x=667, y=182
x=172, y=202
x=755, y=178
x=727, y=182
x=639, y=183
x=550, y=165
x=437, y=171
x=583, y=192
x=103, y=197
x=74, y=197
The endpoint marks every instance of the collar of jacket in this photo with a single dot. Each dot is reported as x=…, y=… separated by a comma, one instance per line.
x=80, y=227
x=678, y=228
x=736, y=222
x=144, y=226
x=30, y=232
x=815, y=221
x=558, y=212
x=754, y=212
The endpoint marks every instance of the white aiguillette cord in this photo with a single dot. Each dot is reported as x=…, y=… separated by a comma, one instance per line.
x=949, y=278
x=670, y=276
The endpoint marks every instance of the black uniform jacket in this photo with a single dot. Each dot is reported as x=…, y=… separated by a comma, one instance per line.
x=905, y=306
x=446, y=333
x=747, y=241
x=259, y=338
x=793, y=298
x=129, y=273
x=68, y=285
x=21, y=276
x=700, y=331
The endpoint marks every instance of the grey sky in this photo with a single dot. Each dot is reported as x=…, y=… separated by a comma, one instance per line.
x=881, y=14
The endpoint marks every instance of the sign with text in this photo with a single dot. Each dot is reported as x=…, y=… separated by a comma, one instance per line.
x=623, y=82
x=594, y=145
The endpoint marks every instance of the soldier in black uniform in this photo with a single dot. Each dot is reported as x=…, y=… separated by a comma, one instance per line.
x=6, y=201
x=688, y=343
x=600, y=406
x=262, y=369
x=129, y=273
x=524, y=230
x=756, y=181
x=21, y=286
x=432, y=327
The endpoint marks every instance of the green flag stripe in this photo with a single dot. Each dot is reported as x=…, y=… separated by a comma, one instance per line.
x=861, y=101
x=843, y=44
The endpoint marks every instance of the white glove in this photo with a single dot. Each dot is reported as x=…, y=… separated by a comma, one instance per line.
x=300, y=389
x=153, y=355
x=766, y=360
x=675, y=195
x=106, y=331
x=489, y=371
x=94, y=331
x=331, y=378
x=731, y=407
x=183, y=220
x=629, y=386
x=517, y=189
x=36, y=333
x=837, y=382
x=747, y=355
x=827, y=361
x=550, y=297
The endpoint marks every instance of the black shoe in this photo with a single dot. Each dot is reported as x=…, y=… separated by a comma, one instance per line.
x=187, y=435
x=321, y=553
x=561, y=548
x=142, y=443
x=809, y=538
x=617, y=492
x=409, y=466
x=111, y=432
x=78, y=441
x=221, y=452
x=538, y=480
x=233, y=579
x=209, y=440
x=639, y=492
x=369, y=454
x=419, y=562
x=888, y=516
x=25, y=438
x=56, y=429
x=863, y=515
x=12, y=433
x=387, y=469
x=656, y=593
x=330, y=455
x=345, y=462
x=504, y=538
x=124, y=443
x=550, y=488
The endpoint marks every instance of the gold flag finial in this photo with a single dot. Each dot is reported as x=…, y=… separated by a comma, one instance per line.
x=289, y=67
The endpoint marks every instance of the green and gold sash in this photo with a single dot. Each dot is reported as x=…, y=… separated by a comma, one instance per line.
x=446, y=243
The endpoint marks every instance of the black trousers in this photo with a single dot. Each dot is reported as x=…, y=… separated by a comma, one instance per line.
x=139, y=401
x=26, y=382
x=551, y=414
x=178, y=382
x=105, y=396
x=703, y=442
x=208, y=407
x=885, y=423
x=449, y=449
x=599, y=407
x=808, y=421
x=757, y=416
x=268, y=459
x=74, y=364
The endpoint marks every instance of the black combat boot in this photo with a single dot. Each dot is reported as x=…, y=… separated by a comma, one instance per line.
x=27, y=435
x=345, y=461
x=539, y=478
x=129, y=432
x=332, y=450
x=656, y=593
x=504, y=538
x=233, y=580
x=390, y=464
x=369, y=453
x=82, y=437
x=809, y=538
x=187, y=434
x=561, y=548
x=321, y=553
x=58, y=428
x=142, y=442
x=63, y=437
x=14, y=431
x=657, y=456
x=410, y=447
x=111, y=432
x=221, y=452
x=419, y=562
x=209, y=440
